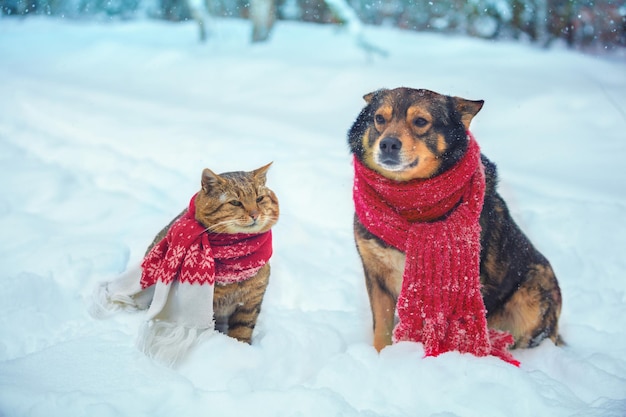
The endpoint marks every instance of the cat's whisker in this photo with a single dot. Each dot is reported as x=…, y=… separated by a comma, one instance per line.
x=222, y=227
x=237, y=226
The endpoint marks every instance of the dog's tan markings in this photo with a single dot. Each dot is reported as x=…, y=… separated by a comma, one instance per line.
x=368, y=160
x=518, y=317
x=419, y=119
x=407, y=129
x=383, y=117
x=370, y=140
x=441, y=144
x=550, y=303
x=427, y=163
x=468, y=109
x=398, y=129
x=383, y=274
x=494, y=268
x=529, y=315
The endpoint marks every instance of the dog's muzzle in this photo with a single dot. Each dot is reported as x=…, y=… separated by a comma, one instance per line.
x=389, y=151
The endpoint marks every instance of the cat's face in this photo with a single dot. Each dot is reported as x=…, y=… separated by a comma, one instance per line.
x=236, y=202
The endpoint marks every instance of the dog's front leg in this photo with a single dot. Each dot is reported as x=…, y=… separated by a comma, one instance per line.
x=383, y=307
x=383, y=266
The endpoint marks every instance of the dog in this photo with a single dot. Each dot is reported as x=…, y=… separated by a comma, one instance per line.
x=405, y=134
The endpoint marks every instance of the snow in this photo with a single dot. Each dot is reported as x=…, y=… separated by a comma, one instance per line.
x=105, y=129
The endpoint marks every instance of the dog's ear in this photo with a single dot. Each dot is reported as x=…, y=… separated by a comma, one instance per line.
x=261, y=173
x=370, y=96
x=467, y=109
x=210, y=179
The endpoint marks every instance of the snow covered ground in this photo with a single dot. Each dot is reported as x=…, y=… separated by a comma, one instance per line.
x=104, y=131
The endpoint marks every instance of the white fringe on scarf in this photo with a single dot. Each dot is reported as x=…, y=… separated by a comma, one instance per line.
x=122, y=294
x=167, y=342
x=179, y=314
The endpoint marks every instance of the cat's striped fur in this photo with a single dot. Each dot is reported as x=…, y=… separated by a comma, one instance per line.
x=236, y=202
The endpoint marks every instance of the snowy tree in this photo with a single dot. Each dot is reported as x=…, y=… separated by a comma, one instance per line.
x=585, y=24
x=262, y=15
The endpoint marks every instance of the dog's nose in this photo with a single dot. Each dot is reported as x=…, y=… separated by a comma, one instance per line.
x=390, y=145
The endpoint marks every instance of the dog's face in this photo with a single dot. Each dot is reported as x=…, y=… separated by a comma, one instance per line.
x=405, y=134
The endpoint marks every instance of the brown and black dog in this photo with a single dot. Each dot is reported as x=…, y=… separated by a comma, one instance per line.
x=404, y=134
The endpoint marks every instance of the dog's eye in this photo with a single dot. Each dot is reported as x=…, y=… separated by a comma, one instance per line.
x=420, y=122
x=235, y=203
x=379, y=119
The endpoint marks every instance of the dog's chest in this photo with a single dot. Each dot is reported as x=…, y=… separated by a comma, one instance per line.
x=383, y=262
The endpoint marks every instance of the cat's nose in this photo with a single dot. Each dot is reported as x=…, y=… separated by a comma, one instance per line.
x=254, y=214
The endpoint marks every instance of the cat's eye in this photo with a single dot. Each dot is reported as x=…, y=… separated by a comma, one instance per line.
x=260, y=198
x=235, y=203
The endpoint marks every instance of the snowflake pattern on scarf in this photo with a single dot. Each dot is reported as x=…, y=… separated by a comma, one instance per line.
x=192, y=255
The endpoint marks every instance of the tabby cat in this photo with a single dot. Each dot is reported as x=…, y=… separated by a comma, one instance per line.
x=236, y=202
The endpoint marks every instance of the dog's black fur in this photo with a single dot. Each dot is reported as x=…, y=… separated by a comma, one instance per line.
x=404, y=134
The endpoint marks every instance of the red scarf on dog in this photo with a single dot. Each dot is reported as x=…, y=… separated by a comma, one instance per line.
x=435, y=223
x=191, y=254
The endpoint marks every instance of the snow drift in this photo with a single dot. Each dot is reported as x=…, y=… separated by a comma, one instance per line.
x=105, y=129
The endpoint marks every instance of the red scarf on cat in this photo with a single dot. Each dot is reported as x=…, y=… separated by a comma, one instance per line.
x=435, y=223
x=176, y=282
x=192, y=255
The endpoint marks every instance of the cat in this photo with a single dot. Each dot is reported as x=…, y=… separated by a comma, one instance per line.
x=231, y=203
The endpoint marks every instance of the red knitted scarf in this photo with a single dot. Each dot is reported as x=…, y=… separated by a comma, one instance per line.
x=191, y=254
x=176, y=283
x=435, y=223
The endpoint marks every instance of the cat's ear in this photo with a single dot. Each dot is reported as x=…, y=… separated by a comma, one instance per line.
x=210, y=179
x=261, y=173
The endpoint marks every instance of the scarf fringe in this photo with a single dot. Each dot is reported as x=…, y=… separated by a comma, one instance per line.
x=104, y=304
x=168, y=342
x=500, y=343
x=121, y=294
